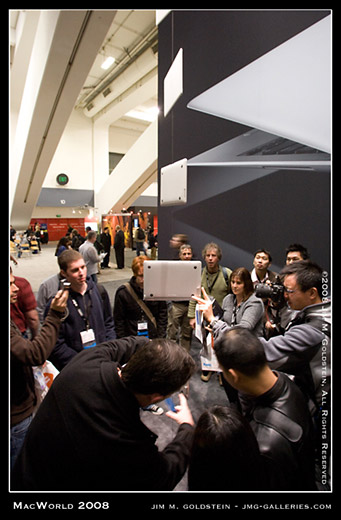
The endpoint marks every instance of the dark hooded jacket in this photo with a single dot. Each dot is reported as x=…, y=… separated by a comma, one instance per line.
x=89, y=424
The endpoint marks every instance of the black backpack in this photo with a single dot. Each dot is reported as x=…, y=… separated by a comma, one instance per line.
x=140, y=234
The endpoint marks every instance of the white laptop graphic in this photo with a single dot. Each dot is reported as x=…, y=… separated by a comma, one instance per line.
x=174, y=280
x=285, y=98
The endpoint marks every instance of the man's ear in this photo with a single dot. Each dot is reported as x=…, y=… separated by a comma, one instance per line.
x=233, y=374
x=313, y=293
x=62, y=273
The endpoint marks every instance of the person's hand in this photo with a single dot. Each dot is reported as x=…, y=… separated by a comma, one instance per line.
x=59, y=302
x=183, y=413
x=269, y=325
x=205, y=305
x=192, y=323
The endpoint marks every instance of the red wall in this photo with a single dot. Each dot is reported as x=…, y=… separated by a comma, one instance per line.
x=57, y=227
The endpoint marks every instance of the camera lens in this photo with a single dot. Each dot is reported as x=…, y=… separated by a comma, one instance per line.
x=264, y=291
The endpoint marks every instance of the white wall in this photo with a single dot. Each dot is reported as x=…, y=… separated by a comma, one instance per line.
x=121, y=140
x=73, y=155
x=76, y=156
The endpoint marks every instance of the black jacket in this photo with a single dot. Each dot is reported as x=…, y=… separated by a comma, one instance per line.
x=283, y=427
x=89, y=427
x=119, y=240
x=105, y=239
x=127, y=313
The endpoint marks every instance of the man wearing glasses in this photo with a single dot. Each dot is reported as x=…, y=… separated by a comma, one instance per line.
x=304, y=348
x=304, y=351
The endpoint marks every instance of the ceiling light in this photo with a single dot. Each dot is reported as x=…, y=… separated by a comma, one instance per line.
x=107, y=62
x=149, y=114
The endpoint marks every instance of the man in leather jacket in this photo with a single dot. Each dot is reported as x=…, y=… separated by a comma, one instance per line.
x=275, y=408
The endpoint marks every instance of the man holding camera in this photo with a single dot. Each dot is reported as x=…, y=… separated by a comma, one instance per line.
x=89, y=321
x=304, y=348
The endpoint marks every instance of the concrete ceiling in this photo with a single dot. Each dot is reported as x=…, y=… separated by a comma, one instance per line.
x=132, y=41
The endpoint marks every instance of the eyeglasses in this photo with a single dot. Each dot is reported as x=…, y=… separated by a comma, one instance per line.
x=289, y=291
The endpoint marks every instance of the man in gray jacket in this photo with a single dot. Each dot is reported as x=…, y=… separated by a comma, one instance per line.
x=90, y=255
x=304, y=348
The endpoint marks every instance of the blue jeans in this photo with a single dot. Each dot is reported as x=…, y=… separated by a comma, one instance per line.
x=140, y=248
x=18, y=433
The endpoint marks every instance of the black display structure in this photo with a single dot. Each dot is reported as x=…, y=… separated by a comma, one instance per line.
x=268, y=209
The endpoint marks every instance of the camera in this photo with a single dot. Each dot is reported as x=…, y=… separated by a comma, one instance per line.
x=273, y=291
x=64, y=284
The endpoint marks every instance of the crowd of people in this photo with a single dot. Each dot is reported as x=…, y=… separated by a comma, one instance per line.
x=270, y=333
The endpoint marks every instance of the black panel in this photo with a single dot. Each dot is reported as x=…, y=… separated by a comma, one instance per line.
x=264, y=209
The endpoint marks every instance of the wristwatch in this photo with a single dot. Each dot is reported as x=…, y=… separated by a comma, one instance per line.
x=213, y=321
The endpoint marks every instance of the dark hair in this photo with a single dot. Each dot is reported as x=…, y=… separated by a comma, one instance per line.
x=223, y=439
x=263, y=251
x=67, y=257
x=64, y=241
x=308, y=275
x=298, y=247
x=240, y=349
x=245, y=277
x=160, y=366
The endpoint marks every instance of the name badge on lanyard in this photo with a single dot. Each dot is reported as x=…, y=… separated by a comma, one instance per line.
x=88, y=338
x=142, y=328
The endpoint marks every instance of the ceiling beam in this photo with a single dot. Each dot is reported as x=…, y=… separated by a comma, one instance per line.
x=70, y=49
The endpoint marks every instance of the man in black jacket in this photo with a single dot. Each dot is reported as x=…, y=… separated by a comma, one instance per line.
x=105, y=240
x=276, y=409
x=89, y=422
x=119, y=247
